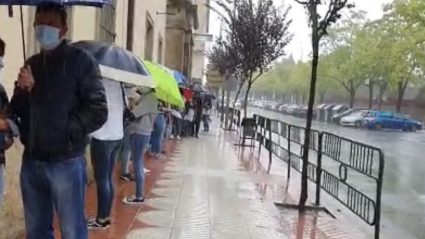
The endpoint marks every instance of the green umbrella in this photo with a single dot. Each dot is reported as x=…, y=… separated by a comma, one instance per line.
x=166, y=87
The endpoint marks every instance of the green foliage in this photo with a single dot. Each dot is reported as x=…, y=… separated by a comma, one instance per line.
x=388, y=53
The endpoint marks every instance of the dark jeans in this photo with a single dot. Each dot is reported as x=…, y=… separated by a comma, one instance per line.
x=103, y=154
x=196, y=126
x=55, y=186
x=206, y=122
x=158, y=134
x=177, y=126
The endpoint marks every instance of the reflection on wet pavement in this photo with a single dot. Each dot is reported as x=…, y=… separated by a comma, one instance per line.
x=207, y=191
x=403, y=198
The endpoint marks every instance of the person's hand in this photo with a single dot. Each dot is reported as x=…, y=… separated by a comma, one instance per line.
x=4, y=125
x=25, y=78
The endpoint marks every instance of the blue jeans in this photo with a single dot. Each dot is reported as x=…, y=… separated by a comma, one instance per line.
x=1, y=185
x=139, y=144
x=125, y=153
x=206, y=121
x=103, y=154
x=158, y=134
x=54, y=186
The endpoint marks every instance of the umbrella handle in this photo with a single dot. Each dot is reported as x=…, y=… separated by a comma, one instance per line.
x=23, y=33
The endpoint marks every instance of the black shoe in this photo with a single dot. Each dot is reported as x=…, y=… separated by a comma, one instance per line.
x=96, y=224
x=127, y=177
x=133, y=200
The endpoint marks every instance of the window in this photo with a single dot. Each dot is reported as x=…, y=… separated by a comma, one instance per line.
x=160, y=46
x=385, y=115
x=107, y=23
x=149, y=39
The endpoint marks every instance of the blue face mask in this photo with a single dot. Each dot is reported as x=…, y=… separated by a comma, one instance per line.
x=47, y=36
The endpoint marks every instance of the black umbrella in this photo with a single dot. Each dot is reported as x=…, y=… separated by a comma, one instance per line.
x=197, y=87
x=117, y=63
x=208, y=96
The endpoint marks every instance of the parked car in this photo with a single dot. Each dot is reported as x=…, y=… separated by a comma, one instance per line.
x=300, y=111
x=355, y=119
x=291, y=109
x=388, y=120
x=337, y=118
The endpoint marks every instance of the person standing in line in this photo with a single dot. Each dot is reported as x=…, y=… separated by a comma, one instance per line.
x=198, y=115
x=57, y=102
x=140, y=134
x=6, y=140
x=206, y=112
x=104, y=147
x=125, y=157
x=158, y=132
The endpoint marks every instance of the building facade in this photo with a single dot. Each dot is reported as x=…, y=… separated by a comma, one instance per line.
x=145, y=37
x=201, y=38
x=182, y=20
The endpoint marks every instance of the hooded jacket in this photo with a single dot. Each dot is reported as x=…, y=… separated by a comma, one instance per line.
x=66, y=104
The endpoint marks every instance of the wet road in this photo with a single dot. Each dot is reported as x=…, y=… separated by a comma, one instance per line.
x=403, y=199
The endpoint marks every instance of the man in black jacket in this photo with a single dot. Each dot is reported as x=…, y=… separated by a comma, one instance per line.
x=58, y=101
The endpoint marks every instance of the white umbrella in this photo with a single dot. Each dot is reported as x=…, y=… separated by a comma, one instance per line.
x=175, y=113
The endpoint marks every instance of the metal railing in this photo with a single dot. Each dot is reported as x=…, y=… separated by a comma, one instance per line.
x=349, y=171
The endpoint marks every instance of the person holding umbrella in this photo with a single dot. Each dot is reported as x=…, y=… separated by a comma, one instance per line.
x=57, y=102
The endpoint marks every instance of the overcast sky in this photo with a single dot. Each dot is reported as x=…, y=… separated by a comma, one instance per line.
x=300, y=45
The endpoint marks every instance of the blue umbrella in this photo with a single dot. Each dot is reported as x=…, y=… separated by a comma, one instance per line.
x=117, y=63
x=94, y=3
x=180, y=78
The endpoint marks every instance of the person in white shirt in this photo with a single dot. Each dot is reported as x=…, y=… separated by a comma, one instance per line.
x=104, y=147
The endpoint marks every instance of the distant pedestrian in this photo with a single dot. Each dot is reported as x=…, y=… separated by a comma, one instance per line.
x=158, y=132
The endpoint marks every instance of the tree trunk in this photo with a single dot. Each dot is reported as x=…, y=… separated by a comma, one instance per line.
x=245, y=105
x=222, y=106
x=322, y=97
x=315, y=45
x=352, y=95
x=234, y=104
x=370, y=94
x=401, y=87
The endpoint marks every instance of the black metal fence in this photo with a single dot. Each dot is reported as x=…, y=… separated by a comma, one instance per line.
x=349, y=171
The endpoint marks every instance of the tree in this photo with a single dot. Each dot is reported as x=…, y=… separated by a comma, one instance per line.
x=319, y=28
x=258, y=31
x=225, y=60
x=404, y=24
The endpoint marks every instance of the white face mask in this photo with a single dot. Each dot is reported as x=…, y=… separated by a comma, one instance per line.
x=1, y=63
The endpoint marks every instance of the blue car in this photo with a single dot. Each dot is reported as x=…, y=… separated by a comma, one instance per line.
x=378, y=120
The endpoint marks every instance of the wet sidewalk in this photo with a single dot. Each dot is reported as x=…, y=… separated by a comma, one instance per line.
x=204, y=190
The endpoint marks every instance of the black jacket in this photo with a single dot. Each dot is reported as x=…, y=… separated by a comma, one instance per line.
x=66, y=104
x=4, y=104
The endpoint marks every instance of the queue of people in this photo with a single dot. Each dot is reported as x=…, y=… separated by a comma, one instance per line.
x=60, y=104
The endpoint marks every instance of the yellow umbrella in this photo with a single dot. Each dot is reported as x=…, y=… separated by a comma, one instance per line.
x=166, y=87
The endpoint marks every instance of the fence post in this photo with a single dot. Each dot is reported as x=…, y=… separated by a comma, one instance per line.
x=289, y=150
x=379, y=195
x=260, y=124
x=319, y=169
x=270, y=143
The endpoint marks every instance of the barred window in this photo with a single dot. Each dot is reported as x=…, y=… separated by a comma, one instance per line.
x=107, y=23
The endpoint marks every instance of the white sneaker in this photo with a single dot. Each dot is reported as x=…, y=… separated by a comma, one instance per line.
x=146, y=170
x=178, y=137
